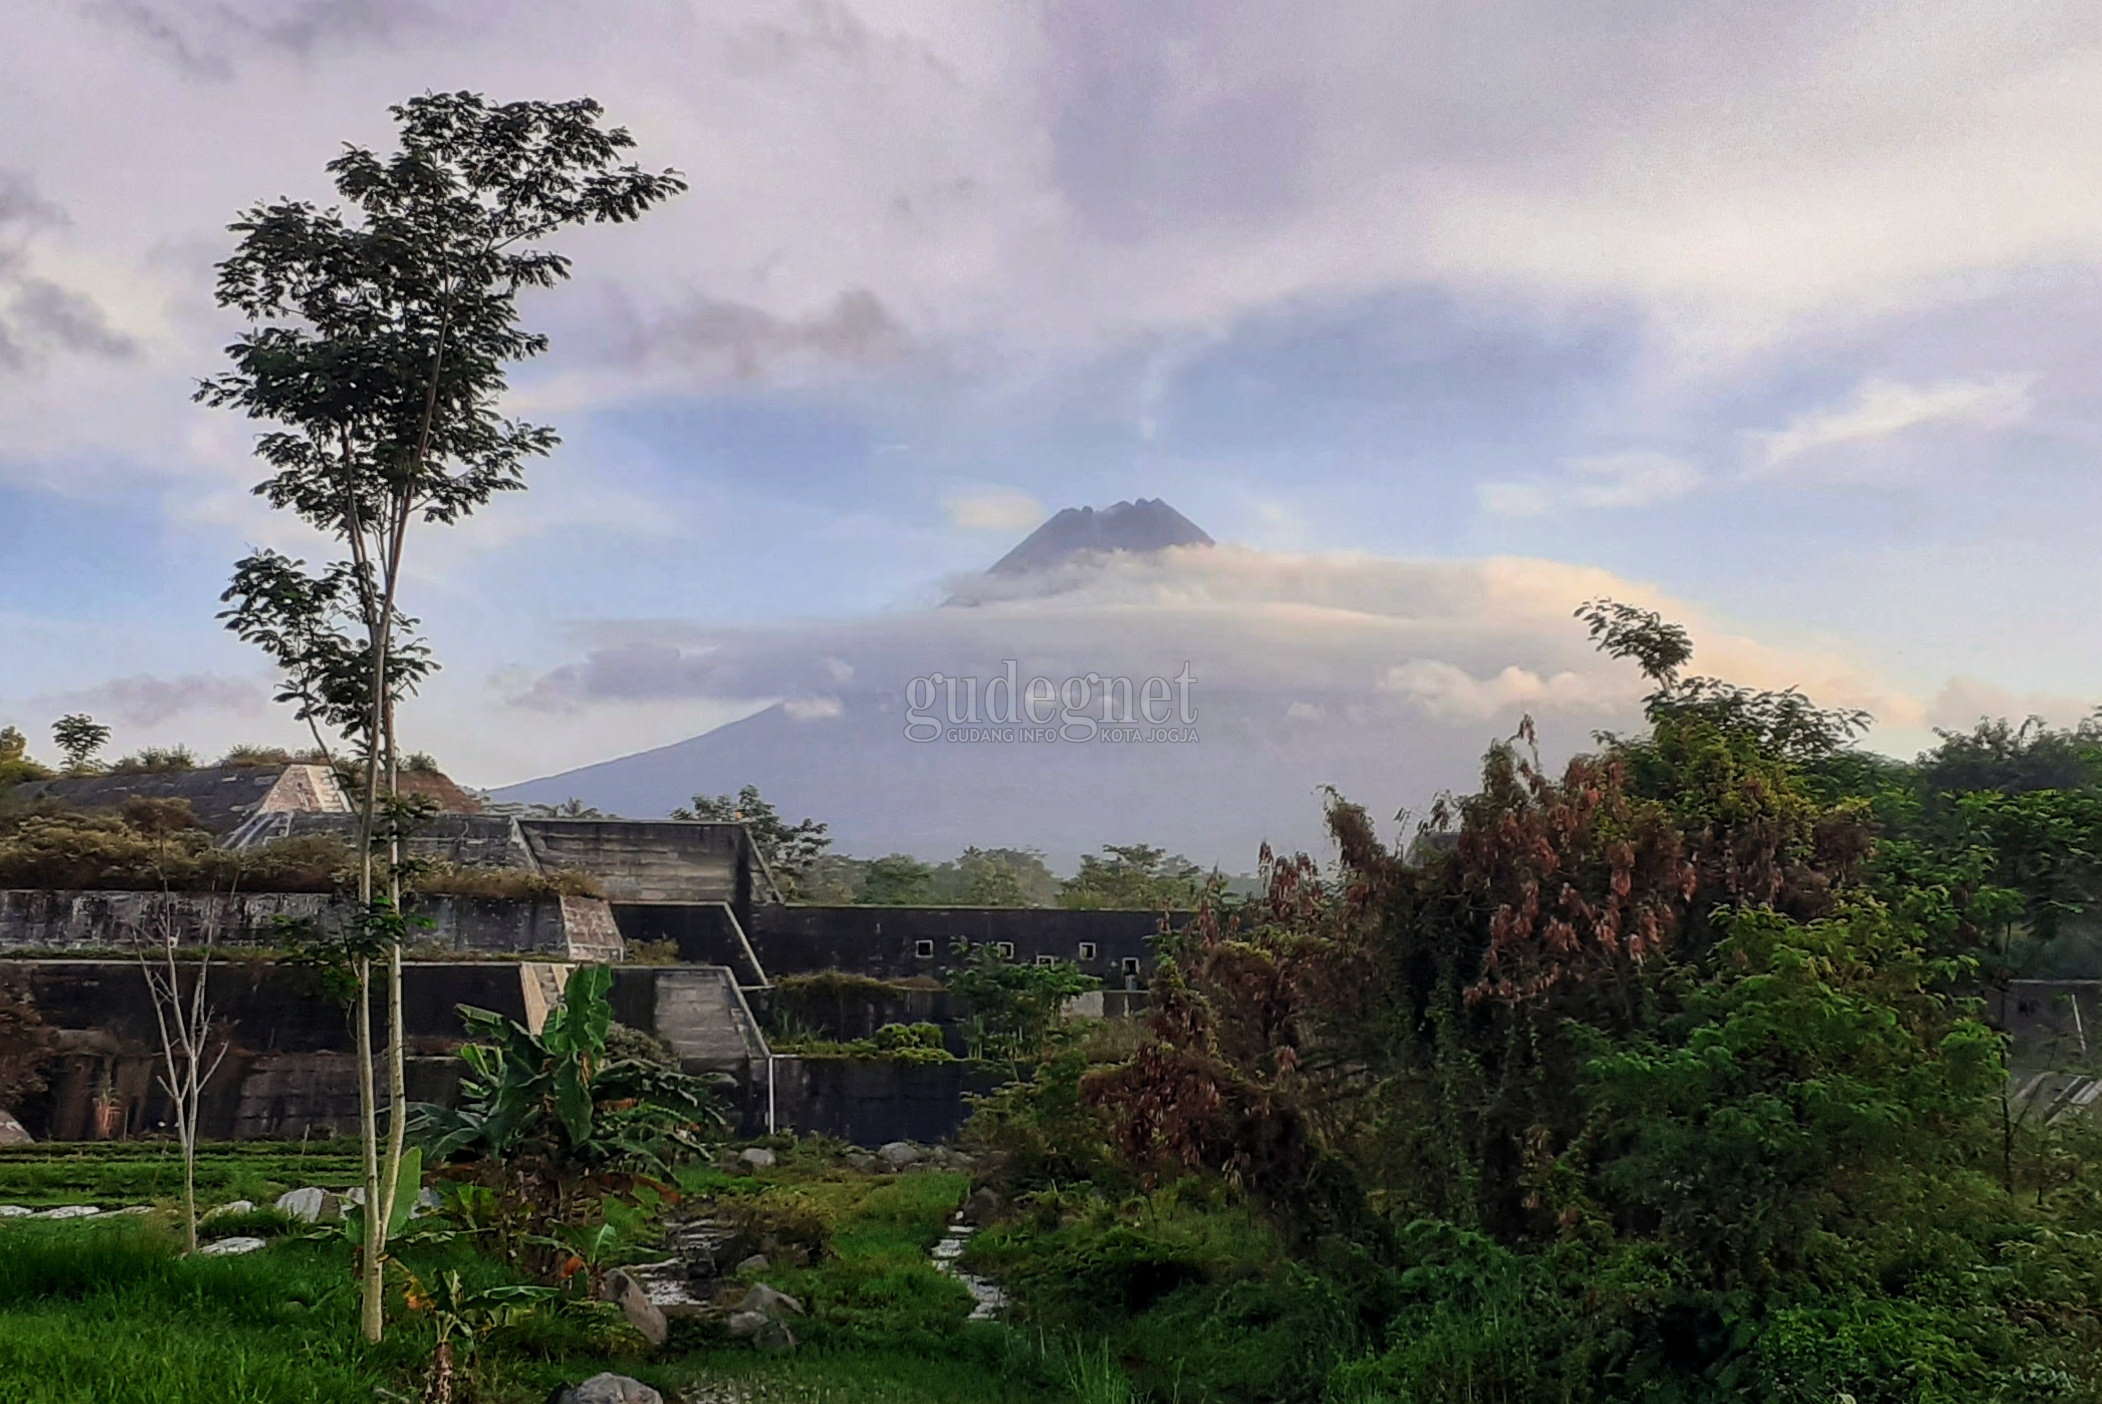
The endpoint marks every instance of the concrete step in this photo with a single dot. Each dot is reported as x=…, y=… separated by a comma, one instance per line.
x=701, y=1014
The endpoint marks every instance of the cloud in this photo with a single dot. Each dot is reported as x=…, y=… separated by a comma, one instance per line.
x=747, y=341
x=805, y=709
x=145, y=700
x=1445, y=691
x=1606, y=481
x=995, y=509
x=1882, y=409
x=38, y=315
x=67, y=320
x=1348, y=639
x=202, y=40
x=1963, y=702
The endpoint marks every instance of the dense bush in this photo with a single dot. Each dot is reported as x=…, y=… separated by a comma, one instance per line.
x=1660, y=1077
x=154, y=845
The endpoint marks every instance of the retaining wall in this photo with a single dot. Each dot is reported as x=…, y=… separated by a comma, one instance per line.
x=576, y=928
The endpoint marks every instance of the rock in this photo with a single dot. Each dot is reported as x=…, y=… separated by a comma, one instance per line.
x=899, y=1154
x=766, y=1299
x=743, y=1325
x=861, y=1160
x=634, y=1303
x=608, y=1388
x=758, y=1262
x=238, y=1206
x=13, y=1132
x=758, y=1157
x=15, y=1211
x=427, y=1201
x=355, y=1195
x=309, y=1205
x=134, y=1209
x=982, y=1207
x=67, y=1211
x=230, y=1247
x=775, y=1337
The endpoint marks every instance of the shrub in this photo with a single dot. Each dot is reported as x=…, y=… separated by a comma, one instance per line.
x=155, y=760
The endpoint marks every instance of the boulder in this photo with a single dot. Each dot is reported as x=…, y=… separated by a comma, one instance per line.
x=13, y=1132
x=309, y=1205
x=756, y=1263
x=775, y=1337
x=608, y=1388
x=67, y=1211
x=983, y=1207
x=861, y=1160
x=899, y=1154
x=231, y=1247
x=757, y=1157
x=237, y=1206
x=763, y=1298
x=635, y=1304
x=15, y=1211
x=743, y=1325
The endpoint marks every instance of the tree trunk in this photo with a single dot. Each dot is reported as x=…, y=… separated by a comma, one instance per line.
x=372, y=1307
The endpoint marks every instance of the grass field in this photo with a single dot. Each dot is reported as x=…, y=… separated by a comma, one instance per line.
x=113, y=1173
x=109, y=1312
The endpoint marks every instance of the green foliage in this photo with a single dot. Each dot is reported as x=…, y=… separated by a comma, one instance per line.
x=896, y=881
x=154, y=845
x=979, y=877
x=1134, y=877
x=78, y=737
x=553, y=1103
x=15, y=764
x=898, y=1043
x=155, y=760
x=1014, y=1007
x=1044, y=1132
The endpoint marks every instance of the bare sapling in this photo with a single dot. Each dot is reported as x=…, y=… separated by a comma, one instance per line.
x=186, y=1022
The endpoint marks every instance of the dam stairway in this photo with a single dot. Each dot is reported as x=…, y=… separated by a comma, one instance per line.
x=701, y=1012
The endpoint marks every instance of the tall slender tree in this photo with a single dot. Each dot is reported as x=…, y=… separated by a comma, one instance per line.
x=381, y=333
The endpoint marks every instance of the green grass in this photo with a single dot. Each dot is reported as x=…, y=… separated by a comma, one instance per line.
x=877, y=1287
x=150, y=1172
x=109, y=1312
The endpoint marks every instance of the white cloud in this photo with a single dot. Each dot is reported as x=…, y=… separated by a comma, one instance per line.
x=1605, y=481
x=1534, y=499
x=1965, y=701
x=1882, y=409
x=805, y=709
x=995, y=509
x=1445, y=691
x=1314, y=635
x=1630, y=479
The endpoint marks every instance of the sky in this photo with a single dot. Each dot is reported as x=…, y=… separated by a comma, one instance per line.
x=1781, y=318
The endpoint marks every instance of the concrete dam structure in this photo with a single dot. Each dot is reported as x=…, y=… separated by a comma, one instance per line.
x=699, y=892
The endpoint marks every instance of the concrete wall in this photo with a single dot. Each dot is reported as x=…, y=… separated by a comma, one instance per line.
x=2054, y=1023
x=290, y=1071
x=648, y=862
x=579, y=928
x=870, y=1101
x=895, y=943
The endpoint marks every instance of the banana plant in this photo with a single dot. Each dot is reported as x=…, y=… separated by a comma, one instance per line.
x=556, y=1096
